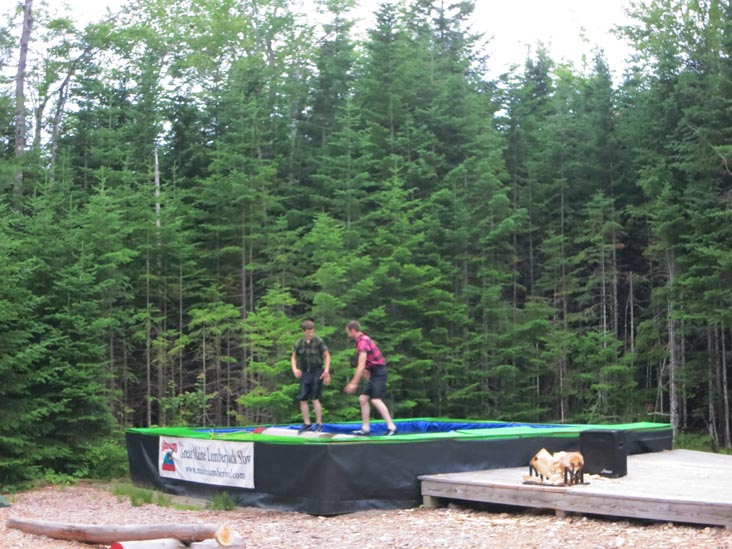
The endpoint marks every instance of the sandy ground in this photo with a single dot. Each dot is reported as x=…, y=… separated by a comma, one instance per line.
x=455, y=526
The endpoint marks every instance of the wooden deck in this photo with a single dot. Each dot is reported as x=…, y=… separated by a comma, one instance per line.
x=677, y=486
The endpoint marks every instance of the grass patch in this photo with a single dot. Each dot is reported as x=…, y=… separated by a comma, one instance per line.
x=137, y=496
x=141, y=496
x=223, y=502
x=186, y=507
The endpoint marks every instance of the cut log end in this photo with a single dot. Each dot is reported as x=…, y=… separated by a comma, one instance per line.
x=224, y=535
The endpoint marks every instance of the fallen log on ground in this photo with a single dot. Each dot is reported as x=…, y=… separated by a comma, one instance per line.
x=108, y=534
x=236, y=542
x=166, y=543
x=171, y=543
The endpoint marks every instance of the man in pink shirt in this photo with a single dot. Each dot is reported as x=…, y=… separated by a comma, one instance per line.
x=372, y=366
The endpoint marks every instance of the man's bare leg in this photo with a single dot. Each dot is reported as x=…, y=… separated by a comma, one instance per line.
x=318, y=409
x=363, y=400
x=384, y=411
x=305, y=412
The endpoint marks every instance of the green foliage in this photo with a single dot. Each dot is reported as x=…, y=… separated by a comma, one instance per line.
x=106, y=460
x=550, y=246
x=269, y=337
x=59, y=479
x=222, y=501
x=697, y=441
x=188, y=407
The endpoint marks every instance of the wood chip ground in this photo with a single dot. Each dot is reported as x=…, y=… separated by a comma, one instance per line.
x=455, y=526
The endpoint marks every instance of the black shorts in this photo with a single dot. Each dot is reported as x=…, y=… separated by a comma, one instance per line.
x=311, y=386
x=376, y=386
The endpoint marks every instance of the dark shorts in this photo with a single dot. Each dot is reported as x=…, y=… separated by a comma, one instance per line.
x=311, y=386
x=376, y=386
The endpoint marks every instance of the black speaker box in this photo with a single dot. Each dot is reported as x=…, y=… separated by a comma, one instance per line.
x=604, y=452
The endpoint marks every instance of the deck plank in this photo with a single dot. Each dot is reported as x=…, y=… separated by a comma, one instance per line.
x=675, y=485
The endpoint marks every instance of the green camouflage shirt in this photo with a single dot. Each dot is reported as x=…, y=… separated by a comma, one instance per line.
x=310, y=355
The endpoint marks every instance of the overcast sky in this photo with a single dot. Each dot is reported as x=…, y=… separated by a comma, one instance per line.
x=515, y=26
x=519, y=24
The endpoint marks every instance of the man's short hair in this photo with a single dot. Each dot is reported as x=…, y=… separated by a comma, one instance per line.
x=353, y=325
x=307, y=325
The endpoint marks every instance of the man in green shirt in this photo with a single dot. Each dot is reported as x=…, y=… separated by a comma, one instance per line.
x=310, y=363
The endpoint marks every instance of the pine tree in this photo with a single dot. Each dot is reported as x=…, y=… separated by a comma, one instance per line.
x=272, y=389
x=22, y=352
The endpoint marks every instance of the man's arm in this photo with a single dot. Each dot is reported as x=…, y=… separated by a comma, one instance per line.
x=293, y=363
x=351, y=387
x=326, y=370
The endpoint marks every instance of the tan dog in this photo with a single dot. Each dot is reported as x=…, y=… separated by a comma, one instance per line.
x=573, y=464
x=560, y=468
x=542, y=463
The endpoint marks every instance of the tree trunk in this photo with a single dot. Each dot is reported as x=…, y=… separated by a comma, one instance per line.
x=162, y=359
x=229, y=389
x=245, y=382
x=217, y=384
x=60, y=104
x=180, y=322
x=631, y=331
x=672, y=346
x=683, y=395
x=125, y=384
x=725, y=391
x=38, y=123
x=204, y=415
x=156, y=182
x=148, y=343
x=615, y=284
x=711, y=412
x=20, y=129
x=108, y=534
x=20, y=111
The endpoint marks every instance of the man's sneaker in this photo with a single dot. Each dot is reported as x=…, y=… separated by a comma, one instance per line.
x=361, y=432
x=318, y=428
x=391, y=432
x=304, y=428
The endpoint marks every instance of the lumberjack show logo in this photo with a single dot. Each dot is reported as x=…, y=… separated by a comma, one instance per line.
x=168, y=449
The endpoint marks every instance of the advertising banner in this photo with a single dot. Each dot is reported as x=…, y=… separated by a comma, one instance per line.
x=207, y=461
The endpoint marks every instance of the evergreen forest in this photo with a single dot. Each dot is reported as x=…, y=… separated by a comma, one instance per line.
x=183, y=182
